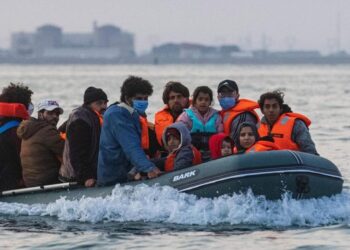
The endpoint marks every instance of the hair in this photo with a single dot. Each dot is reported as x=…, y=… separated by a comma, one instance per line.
x=16, y=93
x=204, y=90
x=229, y=140
x=134, y=85
x=176, y=87
x=277, y=94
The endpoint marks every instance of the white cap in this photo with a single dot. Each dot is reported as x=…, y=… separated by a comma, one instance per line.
x=49, y=105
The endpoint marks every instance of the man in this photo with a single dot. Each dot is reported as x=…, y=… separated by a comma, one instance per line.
x=120, y=144
x=289, y=130
x=82, y=139
x=42, y=146
x=235, y=110
x=15, y=101
x=176, y=99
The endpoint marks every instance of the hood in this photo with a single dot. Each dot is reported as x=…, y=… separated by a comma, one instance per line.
x=254, y=129
x=215, y=143
x=184, y=132
x=28, y=128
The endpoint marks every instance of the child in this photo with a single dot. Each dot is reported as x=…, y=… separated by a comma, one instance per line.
x=177, y=141
x=220, y=145
x=202, y=120
x=249, y=140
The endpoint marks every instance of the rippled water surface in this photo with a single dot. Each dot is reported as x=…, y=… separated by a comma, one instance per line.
x=155, y=217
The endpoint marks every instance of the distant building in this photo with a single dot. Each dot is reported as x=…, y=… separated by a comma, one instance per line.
x=49, y=42
x=193, y=52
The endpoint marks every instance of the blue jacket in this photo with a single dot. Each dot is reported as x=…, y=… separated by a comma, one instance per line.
x=120, y=146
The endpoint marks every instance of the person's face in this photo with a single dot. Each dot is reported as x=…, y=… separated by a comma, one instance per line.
x=246, y=137
x=226, y=148
x=226, y=92
x=202, y=102
x=177, y=102
x=99, y=106
x=173, y=143
x=51, y=117
x=271, y=110
x=140, y=97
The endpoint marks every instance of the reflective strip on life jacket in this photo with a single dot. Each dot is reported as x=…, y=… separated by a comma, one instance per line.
x=144, y=133
x=8, y=125
x=162, y=120
x=170, y=160
x=242, y=106
x=13, y=110
x=282, y=130
x=198, y=126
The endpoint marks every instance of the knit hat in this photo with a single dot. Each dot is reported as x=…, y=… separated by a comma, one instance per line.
x=174, y=132
x=93, y=94
x=232, y=85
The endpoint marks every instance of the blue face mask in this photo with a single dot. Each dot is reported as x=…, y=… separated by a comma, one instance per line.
x=227, y=102
x=140, y=106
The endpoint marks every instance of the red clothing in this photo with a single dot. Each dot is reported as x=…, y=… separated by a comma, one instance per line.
x=215, y=143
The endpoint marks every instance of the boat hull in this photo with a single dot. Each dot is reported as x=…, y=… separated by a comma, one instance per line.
x=271, y=174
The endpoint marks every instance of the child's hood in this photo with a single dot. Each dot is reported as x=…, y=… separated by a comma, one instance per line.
x=215, y=143
x=184, y=134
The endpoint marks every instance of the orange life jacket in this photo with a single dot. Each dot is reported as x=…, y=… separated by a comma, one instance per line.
x=162, y=119
x=170, y=160
x=282, y=130
x=260, y=146
x=242, y=106
x=14, y=110
x=63, y=136
x=144, y=133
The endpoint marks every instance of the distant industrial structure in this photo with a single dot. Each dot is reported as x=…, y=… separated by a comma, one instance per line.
x=110, y=44
x=106, y=42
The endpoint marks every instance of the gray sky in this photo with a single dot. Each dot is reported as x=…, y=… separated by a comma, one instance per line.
x=279, y=24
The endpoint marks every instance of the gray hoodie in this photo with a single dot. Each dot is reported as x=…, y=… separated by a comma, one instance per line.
x=184, y=153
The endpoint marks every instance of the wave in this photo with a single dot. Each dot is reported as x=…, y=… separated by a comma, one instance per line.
x=165, y=204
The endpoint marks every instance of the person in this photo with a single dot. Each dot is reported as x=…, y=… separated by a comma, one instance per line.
x=176, y=99
x=220, y=145
x=202, y=120
x=42, y=146
x=235, y=110
x=82, y=139
x=15, y=106
x=250, y=141
x=120, y=143
x=289, y=130
x=181, y=154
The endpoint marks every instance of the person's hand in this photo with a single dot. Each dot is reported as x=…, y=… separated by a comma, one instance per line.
x=90, y=182
x=154, y=173
x=137, y=177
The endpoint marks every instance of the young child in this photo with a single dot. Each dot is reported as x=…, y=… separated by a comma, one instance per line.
x=220, y=145
x=181, y=154
x=249, y=140
x=202, y=120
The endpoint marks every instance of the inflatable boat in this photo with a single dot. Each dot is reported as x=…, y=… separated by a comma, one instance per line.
x=271, y=174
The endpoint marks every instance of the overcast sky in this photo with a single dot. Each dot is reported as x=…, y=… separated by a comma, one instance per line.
x=252, y=24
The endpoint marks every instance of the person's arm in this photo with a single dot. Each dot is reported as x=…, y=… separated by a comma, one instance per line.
x=54, y=142
x=184, y=158
x=79, y=137
x=244, y=117
x=218, y=124
x=185, y=120
x=301, y=136
x=125, y=132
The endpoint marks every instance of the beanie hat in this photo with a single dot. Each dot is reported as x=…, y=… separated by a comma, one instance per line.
x=93, y=94
x=174, y=132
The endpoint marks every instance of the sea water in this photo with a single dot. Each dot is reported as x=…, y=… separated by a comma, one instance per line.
x=161, y=217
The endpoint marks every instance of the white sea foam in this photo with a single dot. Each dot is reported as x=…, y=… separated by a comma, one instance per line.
x=165, y=204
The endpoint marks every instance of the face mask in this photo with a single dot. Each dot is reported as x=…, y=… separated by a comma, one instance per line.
x=30, y=108
x=140, y=105
x=227, y=102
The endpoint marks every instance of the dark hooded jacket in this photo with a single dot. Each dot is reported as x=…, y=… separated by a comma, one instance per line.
x=42, y=147
x=184, y=153
x=240, y=149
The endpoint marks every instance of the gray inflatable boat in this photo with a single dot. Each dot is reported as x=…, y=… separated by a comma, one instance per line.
x=271, y=174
